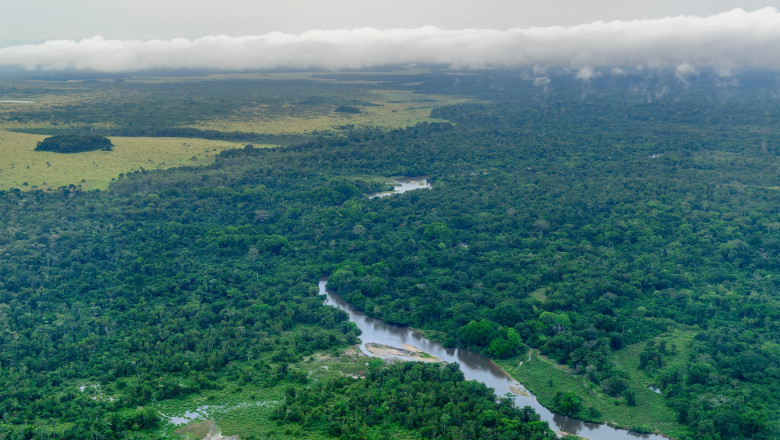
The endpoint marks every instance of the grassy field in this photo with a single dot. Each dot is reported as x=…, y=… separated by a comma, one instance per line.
x=544, y=378
x=324, y=77
x=22, y=167
x=390, y=109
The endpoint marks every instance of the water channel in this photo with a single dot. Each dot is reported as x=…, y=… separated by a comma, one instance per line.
x=403, y=185
x=474, y=366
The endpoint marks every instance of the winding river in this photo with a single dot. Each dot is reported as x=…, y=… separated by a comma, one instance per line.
x=474, y=366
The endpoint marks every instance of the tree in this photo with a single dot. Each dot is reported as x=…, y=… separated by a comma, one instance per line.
x=74, y=143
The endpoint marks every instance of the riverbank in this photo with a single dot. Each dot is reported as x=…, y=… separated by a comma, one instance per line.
x=650, y=415
x=207, y=430
x=410, y=352
x=544, y=379
x=474, y=366
x=403, y=185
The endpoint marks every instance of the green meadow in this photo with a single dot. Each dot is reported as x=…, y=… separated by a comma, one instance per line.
x=22, y=167
x=545, y=378
x=382, y=108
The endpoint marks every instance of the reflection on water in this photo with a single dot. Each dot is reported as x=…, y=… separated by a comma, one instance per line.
x=474, y=367
x=404, y=185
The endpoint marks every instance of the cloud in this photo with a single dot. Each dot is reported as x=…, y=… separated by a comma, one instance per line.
x=541, y=81
x=729, y=41
x=685, y=71
x=586, y=73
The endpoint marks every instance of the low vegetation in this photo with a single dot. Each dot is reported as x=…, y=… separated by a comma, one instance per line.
x=24, y=168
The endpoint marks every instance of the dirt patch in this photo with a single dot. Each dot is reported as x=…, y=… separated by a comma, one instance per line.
x=196, y=429
x=205, y=430
x=409, y=351
x=519, y=391
x=351, y=352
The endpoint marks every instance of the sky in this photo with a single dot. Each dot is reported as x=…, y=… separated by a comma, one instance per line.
x=128, y=35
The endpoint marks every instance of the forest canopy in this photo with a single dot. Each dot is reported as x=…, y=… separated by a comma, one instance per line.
x=584, y=227
x=74, y=143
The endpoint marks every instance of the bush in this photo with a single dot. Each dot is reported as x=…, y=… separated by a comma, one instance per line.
x=74, y=143
x=347, y=109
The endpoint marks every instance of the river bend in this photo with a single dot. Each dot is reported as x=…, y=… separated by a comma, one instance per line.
x=474, y=367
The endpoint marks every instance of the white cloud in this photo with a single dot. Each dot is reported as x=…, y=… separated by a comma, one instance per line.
x=728, y=41
x=586, y=73
x=541, y=81
x=685, y=71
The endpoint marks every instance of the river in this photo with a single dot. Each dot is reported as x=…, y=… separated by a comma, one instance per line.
x=474, y=367
x=403, y=185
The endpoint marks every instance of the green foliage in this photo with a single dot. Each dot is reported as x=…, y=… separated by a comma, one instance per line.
x=652, y=357
x=580, y=225
x=411, y=399
x=346, y=109
x=488, y=336
x=74, y=143
x=567, y=403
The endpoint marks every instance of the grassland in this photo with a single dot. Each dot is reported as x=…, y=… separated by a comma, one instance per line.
x=544, y=378
x=388, y=109
x=539, y=295
x=22, y=167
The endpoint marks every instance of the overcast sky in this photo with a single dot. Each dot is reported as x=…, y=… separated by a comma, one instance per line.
x=38, y=20
x=139, y=34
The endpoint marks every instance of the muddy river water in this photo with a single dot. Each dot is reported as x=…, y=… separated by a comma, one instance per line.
x=474, y=367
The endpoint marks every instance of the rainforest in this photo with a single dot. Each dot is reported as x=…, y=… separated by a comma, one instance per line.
x=611, y=243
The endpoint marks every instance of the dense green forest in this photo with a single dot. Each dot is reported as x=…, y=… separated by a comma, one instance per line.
x=74, y=143
x=575, y=220
x=425, y=400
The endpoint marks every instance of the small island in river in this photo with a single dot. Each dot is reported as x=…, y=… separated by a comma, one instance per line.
x=409, y=351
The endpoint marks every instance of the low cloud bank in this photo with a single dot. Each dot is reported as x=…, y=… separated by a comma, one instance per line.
x=733, y=40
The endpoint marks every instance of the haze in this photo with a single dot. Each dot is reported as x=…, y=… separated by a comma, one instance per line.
x=116, y=36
